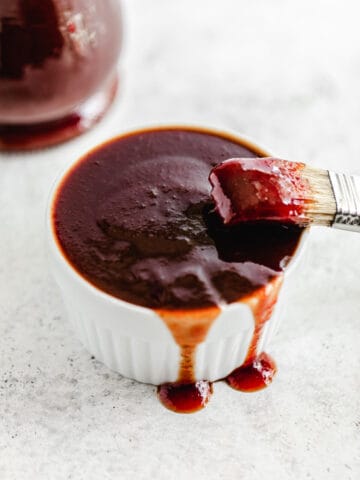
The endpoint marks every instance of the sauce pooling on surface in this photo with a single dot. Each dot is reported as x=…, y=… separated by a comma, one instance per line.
x=135, y=218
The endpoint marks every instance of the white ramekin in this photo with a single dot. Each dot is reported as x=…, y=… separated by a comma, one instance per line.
x=134, y=340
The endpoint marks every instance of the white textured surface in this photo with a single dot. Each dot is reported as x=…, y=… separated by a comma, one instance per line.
x=287, y=74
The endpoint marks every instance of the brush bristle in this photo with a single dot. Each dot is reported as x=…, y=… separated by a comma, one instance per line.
x=271, y=189
x=321, y=207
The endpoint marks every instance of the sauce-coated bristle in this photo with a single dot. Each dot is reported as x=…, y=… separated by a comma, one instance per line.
x=321, y=206
x=274, y=190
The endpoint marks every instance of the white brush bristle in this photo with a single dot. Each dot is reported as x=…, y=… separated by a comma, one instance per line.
x=321, y=207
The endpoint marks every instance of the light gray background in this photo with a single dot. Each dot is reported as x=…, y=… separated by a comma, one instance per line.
x=287, y=73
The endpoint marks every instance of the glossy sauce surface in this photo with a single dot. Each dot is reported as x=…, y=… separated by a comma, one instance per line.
x=135, y=218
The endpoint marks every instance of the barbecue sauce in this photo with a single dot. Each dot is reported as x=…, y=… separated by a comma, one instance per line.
x=135, y=218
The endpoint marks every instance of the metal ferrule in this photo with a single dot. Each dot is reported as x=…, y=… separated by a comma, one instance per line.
x=346, y=190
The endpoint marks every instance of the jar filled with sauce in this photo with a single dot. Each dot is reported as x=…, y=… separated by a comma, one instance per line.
x=58, y=68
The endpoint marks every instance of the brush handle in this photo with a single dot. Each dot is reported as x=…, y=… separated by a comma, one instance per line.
x=346, y=190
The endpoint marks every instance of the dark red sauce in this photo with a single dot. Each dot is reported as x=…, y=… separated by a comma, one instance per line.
x=254, y=375
x=136, y=219
x=268, y=189
x=189, y=328
x=185, y=397
x=54, y=56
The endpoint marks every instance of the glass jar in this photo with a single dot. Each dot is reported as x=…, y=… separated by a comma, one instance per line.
x=58, y=68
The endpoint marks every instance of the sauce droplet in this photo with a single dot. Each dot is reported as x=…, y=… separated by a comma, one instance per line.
x=253, y=376
x=185, y=397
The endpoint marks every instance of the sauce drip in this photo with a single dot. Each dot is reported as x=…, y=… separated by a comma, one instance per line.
x=262, y=304
x=189, y=328
x=257, y=372
x=135, y=218
x=259, y=368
